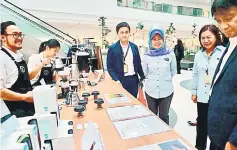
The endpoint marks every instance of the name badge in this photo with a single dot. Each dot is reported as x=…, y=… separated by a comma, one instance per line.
x=208, y=79
x=125, y=68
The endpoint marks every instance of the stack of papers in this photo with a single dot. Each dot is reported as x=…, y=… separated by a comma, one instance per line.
x=127, y=112
x=117, y=98
x=140, y=127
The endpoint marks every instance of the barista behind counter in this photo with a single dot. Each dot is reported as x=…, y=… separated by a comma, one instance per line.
x=47, y=51
x=15, y=86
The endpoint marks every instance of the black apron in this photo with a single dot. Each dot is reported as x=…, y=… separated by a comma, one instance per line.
x=46, y=74
x=22, y=85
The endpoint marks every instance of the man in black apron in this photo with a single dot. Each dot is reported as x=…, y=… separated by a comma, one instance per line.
x=16, y=95
x=22, y=85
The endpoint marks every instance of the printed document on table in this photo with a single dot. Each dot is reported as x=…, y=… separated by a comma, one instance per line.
x=140, y=127
x=117, y=98
x=175, y=144
x=127, y=112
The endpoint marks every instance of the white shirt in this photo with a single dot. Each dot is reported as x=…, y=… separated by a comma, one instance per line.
x=128, y=60
x=8, y=68
x=233, y=44
x=35, y=60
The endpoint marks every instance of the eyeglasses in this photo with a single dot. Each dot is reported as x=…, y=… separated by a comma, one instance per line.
x=16, y=35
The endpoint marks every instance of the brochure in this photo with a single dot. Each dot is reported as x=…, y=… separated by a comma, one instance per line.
x=127, y=112
x=117, y=98
x=176, y=144
x=140, y=127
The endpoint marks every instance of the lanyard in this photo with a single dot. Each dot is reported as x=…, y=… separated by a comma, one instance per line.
x=209, y=61
x=124, y=56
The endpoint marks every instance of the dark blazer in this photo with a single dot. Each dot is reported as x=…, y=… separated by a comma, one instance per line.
x=115, y=61
x=222, y=113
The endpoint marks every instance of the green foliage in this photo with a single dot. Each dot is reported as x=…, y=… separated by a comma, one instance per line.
x=104, y=31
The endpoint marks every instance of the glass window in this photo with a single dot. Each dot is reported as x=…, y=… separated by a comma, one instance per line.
x=197, y=12
x=187, y=11
x=167, y=8
x=180, y=10
x=158, y=7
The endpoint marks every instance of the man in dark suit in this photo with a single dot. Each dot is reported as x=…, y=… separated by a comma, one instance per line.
x=124, y=62
x=222, y=113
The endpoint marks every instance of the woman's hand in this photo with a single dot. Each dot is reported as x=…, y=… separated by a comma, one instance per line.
x=45, y=62
x=194, y=98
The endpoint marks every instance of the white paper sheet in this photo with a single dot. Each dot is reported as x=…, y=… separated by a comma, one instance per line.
x=91, y=138
x=140, y=127
x=127, y=112
x=42, y=82
x=79, y=126
x=86, y=124
x=117, y=98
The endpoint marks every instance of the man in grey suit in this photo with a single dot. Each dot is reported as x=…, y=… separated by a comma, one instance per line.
x=222, y=113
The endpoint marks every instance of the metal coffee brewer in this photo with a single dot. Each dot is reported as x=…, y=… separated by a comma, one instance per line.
x=59, y=66
x=83, y=61
x=66, y=61
x=72, y=99
x=64, y=83
x=73, y=85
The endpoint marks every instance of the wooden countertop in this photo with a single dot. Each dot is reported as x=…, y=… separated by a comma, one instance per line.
x=111, y=137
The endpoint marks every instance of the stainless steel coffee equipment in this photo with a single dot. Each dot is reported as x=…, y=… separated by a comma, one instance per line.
x=72, y=99
x=64, y=83
x=66, y=61
x=83, y=61
x=73, y=85
x=59, y=66
x=74, y=68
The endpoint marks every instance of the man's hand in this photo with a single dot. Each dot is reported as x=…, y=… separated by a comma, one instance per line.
x=28, y=97
x=194, y=98
x=230, y=146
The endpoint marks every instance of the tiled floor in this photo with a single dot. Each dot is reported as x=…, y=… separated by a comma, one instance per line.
x=184, y=108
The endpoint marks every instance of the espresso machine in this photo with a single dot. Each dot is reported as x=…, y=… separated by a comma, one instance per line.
x=86, y=57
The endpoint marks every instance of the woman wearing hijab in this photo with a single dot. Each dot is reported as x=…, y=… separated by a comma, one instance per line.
x=159, y=65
